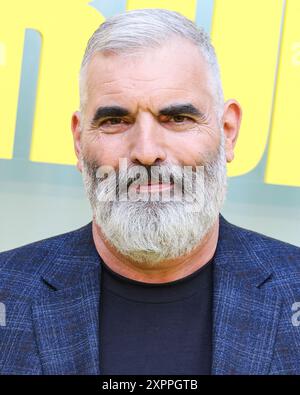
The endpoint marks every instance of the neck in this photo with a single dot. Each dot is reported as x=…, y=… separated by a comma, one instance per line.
x=162, y=272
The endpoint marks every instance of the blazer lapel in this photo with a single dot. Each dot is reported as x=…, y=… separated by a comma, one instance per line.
x=66, y=316
x=245, y=312
x=67, y=328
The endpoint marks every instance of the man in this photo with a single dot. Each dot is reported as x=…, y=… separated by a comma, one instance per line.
x=159, y=282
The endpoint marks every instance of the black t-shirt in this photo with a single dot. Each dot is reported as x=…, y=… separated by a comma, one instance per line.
x=156, y=328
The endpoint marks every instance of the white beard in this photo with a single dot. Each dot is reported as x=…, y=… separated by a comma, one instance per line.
x=154, y=231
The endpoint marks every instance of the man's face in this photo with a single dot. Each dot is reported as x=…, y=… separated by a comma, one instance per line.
x=153, y=108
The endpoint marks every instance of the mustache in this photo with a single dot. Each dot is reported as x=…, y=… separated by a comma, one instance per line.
x=152, y=173
x=119, y=182
x=144, y=173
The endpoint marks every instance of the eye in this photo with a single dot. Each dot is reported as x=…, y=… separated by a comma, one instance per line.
x=178, y=121
x=112, y=122
x=180, y=118
x=111, y=125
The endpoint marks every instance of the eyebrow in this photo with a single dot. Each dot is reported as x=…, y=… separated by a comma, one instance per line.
x=109, y=111
x=176, y=109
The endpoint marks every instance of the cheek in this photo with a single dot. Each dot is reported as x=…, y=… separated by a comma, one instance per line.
x=192, y=150
x=104, y=149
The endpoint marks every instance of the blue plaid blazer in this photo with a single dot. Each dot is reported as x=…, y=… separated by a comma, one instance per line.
x=51, y=294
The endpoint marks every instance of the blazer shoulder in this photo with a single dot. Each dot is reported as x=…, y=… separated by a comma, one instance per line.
x=27, y=264
x=260, y=241
x=282, y=259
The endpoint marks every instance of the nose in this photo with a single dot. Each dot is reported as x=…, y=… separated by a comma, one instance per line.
x=147, y=142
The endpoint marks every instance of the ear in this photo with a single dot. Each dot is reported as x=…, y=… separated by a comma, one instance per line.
x=76, y=130
x=232, y=117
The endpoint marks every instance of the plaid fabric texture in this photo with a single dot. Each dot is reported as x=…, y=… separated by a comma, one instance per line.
x=51, y=293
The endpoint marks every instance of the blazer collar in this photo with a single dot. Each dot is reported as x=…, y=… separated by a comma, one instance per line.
x=77, y=255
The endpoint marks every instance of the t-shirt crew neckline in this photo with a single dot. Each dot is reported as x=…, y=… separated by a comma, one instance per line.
x=173, y=291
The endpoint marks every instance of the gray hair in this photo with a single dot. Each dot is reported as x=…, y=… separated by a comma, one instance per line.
x=136, y=30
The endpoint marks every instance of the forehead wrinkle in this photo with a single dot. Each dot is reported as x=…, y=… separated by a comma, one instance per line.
x=123, y=91
x=132, y=82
